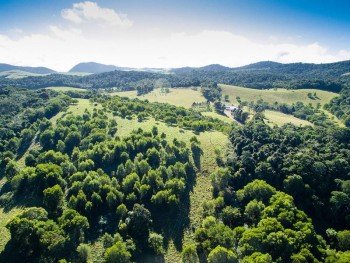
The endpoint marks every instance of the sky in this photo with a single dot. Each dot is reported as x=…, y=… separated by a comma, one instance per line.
x=168, y=34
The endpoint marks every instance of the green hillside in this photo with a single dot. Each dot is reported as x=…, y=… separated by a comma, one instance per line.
x=183, y=97
x=18, y=74
x=263, y=75
x=101, y=176
x=279, y=95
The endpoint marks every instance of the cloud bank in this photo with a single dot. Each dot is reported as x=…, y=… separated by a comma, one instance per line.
x=121, y=43
x=91, y=12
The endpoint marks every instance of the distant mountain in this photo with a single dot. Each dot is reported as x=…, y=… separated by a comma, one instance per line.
x=36, y=70
x=214, y=67
x=211, y=68
x=269, y=67
x=261, y=65
x=93, y=67
x=335, y=69
x=262, y=75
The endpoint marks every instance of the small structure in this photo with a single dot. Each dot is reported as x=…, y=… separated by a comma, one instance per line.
x=230, y=107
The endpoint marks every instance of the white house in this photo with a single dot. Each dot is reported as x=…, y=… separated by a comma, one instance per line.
x=230, y=107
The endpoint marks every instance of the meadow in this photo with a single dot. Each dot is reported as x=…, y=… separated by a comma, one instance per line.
x=65, y=89
x=279, y=95
x=182, y=97
x=186, y=96
x=18, y=74
x=279, y=119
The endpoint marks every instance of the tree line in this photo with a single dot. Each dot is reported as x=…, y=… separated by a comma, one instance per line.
x=281, y=196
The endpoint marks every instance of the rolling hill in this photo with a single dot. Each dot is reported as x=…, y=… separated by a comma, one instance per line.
x=93, y=67
x=337, y=68
x=262, y=75
x=35, y=70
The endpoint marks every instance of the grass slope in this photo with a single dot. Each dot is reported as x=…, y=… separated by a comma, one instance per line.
x=6, y=214
x=18, y=74
x=183, y=97
x=223, y=118
x=279, y=95
x=279, y=118
x=65, y=89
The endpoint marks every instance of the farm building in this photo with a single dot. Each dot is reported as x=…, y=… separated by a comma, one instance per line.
x=230, y=107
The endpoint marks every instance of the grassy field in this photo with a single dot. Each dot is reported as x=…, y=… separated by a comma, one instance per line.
x=217, y=116
x=279, y=118
x=279, y=95
x=79, y=108
x=5, y=216
x=183, y=97
x=18, y=74
x=65, y=89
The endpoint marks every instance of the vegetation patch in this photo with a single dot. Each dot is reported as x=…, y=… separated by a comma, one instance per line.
x=279, y=119
x=66, y=89
x=182, y=97
x=277, y=95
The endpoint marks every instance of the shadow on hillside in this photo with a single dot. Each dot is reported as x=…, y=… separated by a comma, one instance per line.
x=8, y=200
x=150, y=258
x=173, y=222
x=8, y=255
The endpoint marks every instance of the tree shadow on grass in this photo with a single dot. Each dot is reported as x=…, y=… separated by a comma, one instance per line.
x=173, y=222
x=9, y=200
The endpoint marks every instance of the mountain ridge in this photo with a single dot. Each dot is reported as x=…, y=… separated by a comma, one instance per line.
x=93, y=67
x=36, y=70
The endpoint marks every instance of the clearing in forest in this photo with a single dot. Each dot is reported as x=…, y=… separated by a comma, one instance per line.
x=65, y=89
x=182, y=97
x=277, y=95
x=279, y=119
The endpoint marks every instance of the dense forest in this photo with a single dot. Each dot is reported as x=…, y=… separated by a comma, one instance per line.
x=340, y=106
x=84, y=179
x=259, y=76
x=282, y=196
x=279, y=194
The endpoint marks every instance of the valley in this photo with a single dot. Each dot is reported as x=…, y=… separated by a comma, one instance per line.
x=151, y=173
x=174, y=131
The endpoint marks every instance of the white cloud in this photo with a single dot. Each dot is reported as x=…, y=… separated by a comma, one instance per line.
x=92, y=12
x=207, y=47
x=71, y=15
x=61, y=47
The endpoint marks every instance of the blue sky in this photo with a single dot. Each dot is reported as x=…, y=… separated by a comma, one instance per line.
x=163, y=33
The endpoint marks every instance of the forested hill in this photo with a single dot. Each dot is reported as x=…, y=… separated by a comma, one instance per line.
x=36, y=70
x=93, y=67
x=123, y=80
x=328, y=69
x=268, y=74
x=260, y=75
